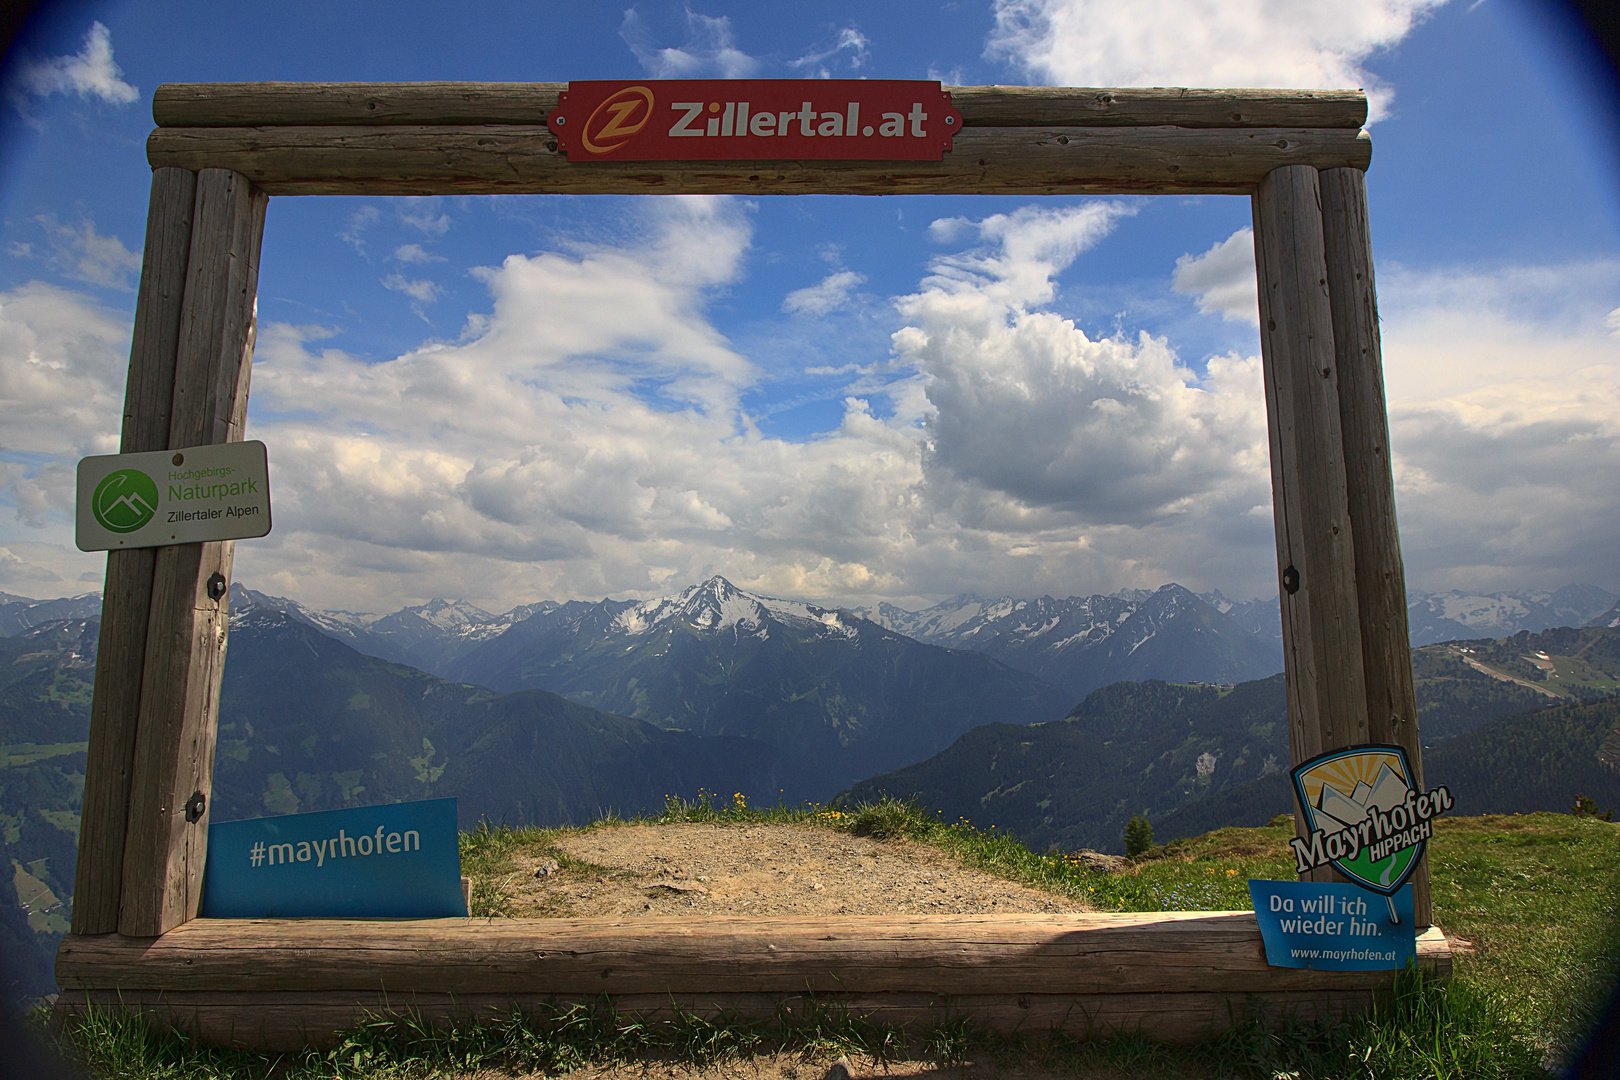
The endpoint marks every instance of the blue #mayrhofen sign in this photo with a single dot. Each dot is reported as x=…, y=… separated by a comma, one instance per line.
x=375, y=862
x=1327, y=926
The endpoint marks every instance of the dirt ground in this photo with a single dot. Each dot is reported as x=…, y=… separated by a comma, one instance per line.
x=798, y=1067
x=718, y=869
x=708, y=869
x=822, y=1067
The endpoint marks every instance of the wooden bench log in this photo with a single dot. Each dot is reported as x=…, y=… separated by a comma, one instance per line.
x=260, y=104
x=1215, y=952
x=279, y=983
x=511, y=158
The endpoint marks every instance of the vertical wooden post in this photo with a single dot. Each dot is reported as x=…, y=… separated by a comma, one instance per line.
x=1327, y=699
x=1370, y=482
x=185, y=638
x=127, y=596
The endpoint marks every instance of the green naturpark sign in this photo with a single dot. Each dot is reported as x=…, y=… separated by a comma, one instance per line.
x=218, y=492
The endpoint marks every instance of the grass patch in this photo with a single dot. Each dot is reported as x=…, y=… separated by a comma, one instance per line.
x=486, y=858
x=28, y=753
x=543, y=1040
x=1449, y=1032
x=1534, y=895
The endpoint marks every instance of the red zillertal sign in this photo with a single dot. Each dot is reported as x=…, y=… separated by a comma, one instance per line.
x=755, y=120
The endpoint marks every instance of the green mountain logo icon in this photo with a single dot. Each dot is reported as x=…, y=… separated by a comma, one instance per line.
x=124, y=501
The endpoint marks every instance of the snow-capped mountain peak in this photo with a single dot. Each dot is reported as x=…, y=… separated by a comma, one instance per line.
x=718, y=605
x=452, y=616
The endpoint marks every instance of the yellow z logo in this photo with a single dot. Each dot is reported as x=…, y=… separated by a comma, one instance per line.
x=622, y=120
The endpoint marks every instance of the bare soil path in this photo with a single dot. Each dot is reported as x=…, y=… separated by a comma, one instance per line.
x=777, y=869
x=793, y=1066
x=727, y=869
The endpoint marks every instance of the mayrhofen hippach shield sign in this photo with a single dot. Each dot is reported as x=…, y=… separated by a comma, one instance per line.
x=755, y=120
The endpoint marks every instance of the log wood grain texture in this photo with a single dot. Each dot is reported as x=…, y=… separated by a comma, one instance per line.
x=280, y=104
x=127, y=594
x=1176, y=975
x=490, y=138
x=523, y=159
x=1327, y=700
x=186, y=627
x=1321, y=615
x=1370, y=482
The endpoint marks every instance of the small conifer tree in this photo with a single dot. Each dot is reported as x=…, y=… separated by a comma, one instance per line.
x=1138, y=835
x=1586, y=806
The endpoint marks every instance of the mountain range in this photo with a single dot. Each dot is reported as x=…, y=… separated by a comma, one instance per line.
x=1459, y=616
x=1077, y=643
x=19, y=613
x=562, y=712
x=308, y=723
x=429, y=637
x=1456, y=616
x=1516, y=764
x=828, y=691
x=841, y=695
x=1194, y=758
x=1083, y=642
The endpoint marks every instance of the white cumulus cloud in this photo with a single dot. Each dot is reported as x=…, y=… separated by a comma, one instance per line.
x=1319, y=44
x=411, y=254
x=828, y=294
x=586, y=438
x=585, y=435
x=710, y=49
x=849, y=46
x=1028, y=407
x=1504, y=399
x=80, y=252
x=62, y=363
x=90, y=72
x=1223, y=279
x=421, y=291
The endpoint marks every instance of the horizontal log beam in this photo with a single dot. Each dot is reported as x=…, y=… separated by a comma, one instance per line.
x=496, y=159
x=1085, y=106
x=1174, y=952
x=262, y=104
x=270, y=104
x=286, y=1021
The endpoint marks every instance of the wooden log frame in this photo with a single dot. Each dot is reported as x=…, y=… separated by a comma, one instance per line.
x=127, y=595
x=185, y=641
x=1175, y=976
x=272, y=104
x=221, y=149
x=481, y=138
x=1327, y=697
x=1369, y=481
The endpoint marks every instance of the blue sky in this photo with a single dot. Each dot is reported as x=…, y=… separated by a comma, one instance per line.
x=840, y=399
